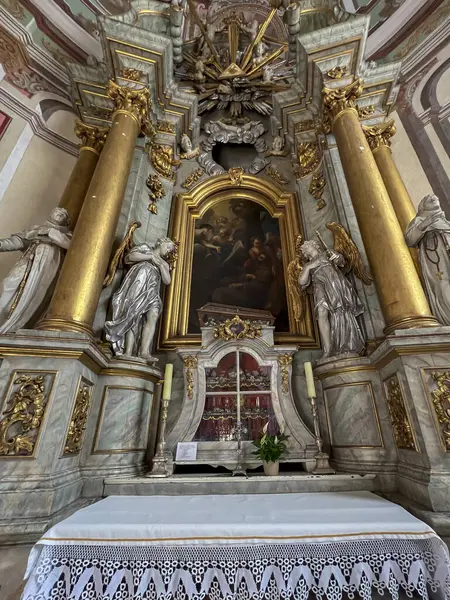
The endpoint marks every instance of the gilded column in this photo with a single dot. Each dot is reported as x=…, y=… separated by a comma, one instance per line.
x=77, y=291
x=92, y=140
x=399, y=289
x=379, y=138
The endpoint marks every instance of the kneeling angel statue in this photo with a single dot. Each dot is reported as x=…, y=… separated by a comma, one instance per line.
x=430, y=232
x=27, y=288
x=137, y=305
x=336, y=303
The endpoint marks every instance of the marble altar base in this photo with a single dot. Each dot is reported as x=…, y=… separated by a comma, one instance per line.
x=70, y=416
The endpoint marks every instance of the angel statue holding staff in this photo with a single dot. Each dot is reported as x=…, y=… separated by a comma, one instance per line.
x=336, y=302
x=137, y=305
x=26, y=290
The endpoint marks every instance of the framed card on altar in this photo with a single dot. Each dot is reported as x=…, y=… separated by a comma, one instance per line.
x=186, y=451
x=237, y=238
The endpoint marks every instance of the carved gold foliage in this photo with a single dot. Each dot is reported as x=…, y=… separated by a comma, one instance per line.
x=172, y=256
x=91, y=137
x=156, y=191
x=163, y=161
x=135, y=102
x=403, y=434
x=379, y=135
x=78, y=420
x=338, y=99
x=131, y=74
x=316, y=188
x=285, y=360
x=337, y=72
x=166, y=127
x=237, y=329
x=275, y=174
x=192, y=178
x=308, y=157
x=236, y=174
x=304, y=126
x=23, y=412
x=190, y=362
x=365, y=111
x=441, y=402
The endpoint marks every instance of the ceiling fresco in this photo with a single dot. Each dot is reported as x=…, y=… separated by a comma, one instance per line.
x=37, y=36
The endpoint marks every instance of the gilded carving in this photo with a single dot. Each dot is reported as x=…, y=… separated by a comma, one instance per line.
x=275, y=174
x=379, y=135
x=156, y=191
x=166, y=127
x=131, y=74
x=316, y=188
x=192, y=178
x=337, y=72
x=237, y=329
x=365, y=111
x=236, y=174
x=91, y=137
x=190, y=362
x=403, y=434
x=304, y=126
x=441, y=402
x=337, y=100
x=294, y=269
x=308, y=157
x=23, y=411
x=285, y=360
x=135, y=102
x=163, y=161
x=78, y=420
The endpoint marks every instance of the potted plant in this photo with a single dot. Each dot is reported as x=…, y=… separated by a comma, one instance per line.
x=270, y=448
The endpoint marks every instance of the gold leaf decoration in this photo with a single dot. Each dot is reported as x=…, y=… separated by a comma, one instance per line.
x=237, y=329
x=401, y=426
x=441, y=403
x=78, y=420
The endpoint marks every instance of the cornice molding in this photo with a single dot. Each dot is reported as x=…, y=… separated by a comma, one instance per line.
x=37, y=123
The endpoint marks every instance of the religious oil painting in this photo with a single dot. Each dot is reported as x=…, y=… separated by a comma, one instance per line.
x=238, y=261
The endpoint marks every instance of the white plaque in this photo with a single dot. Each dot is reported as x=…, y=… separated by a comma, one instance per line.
x=186, y=451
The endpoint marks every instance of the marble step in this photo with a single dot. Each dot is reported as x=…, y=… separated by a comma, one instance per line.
x=226, y=484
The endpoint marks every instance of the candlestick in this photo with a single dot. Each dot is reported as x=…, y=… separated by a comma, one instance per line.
x=310, y=380
x=167, y=389
x=322, y=458
x=238, y=408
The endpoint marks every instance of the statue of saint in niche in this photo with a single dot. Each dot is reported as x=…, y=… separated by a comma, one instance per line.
x=430, y=232
x=27, y=288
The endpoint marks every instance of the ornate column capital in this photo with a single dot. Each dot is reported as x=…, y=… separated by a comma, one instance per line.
x=379, y=135
x=338, y=100
x=92, y=138
x=136, y=103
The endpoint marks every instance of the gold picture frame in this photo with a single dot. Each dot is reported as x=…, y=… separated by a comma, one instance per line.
x=186, y=210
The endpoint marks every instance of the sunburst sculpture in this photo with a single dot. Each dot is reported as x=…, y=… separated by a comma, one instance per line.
x=240, y=72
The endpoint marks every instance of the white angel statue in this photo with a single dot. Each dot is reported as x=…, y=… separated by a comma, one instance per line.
x=137, y=305
x=336, y=302
x=26, y=290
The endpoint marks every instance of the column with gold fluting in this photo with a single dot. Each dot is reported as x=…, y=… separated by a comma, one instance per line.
x=379, y=137
x=399, y=289
x=92, y=140
x=77, y=291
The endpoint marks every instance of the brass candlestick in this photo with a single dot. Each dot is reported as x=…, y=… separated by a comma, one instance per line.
x=322, y=458
x=160, y=463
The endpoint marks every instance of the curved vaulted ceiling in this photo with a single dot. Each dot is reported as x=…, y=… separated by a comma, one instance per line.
x=38, y=38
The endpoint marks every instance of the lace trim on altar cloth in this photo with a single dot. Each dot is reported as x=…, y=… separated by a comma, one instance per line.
x=332, y=570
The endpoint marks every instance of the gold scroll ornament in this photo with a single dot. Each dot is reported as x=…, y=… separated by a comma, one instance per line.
x=190, y=362
x=441, y=403
x=78, y=420
x=237, y=329
x=285, y=360
x=308, y=157
x=163, y=161
x=401, y=426
x=23, y=412
x=156, y=191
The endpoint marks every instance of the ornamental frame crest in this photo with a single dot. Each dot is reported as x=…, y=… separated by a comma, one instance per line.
x=187, y=210
x=237, y=329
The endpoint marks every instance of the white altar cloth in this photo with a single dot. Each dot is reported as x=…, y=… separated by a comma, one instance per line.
x=238, y=546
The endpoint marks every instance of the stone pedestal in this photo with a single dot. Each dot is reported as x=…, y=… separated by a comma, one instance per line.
x=414, y=368
x=70, y=416
x=357, y=421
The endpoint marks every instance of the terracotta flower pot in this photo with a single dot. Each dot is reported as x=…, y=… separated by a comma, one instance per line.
x=271, y=468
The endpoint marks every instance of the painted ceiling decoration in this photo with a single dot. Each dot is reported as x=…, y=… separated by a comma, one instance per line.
x=39, y=38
